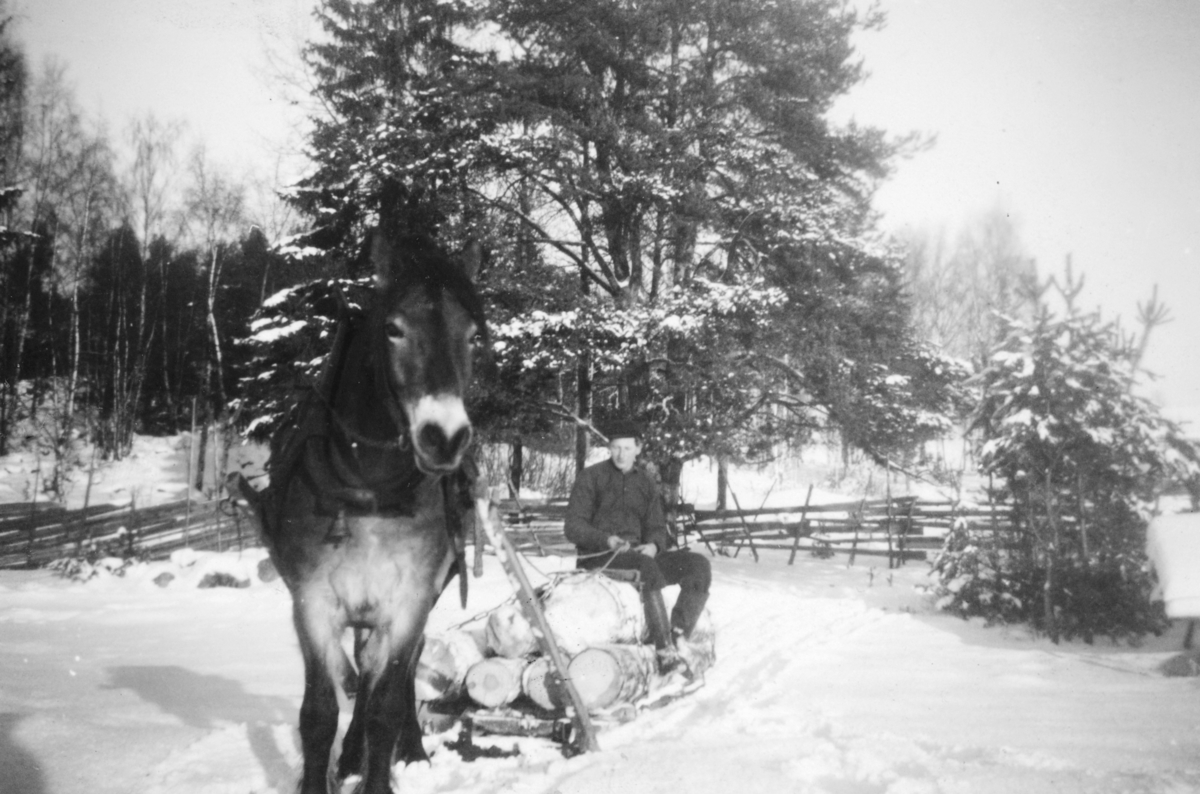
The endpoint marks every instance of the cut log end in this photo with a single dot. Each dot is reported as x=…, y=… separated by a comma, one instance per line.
x=495, y=682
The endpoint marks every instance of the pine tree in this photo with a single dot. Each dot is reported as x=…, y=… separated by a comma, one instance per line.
x=402, y=113
x=676, y=158
x=1081, y=456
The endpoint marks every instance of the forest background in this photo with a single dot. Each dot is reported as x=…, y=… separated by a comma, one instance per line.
x=675, y=225
x=863, y=324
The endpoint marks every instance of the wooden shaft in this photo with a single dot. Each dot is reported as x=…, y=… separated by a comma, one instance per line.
x=533, y=610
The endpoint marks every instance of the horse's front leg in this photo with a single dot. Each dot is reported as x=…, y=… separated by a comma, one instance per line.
x=353, y=745
x=318, y=630
x=389, y=714
x=409, y=747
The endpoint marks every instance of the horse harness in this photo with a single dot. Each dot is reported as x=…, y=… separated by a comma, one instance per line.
x=315, y=447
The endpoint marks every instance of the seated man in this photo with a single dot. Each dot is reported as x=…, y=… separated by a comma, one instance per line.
x=615, y=519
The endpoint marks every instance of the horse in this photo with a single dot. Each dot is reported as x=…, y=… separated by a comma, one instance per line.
x=363, y=514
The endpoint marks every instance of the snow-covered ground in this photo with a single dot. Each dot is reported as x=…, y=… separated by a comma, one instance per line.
x=829, y=678
x=156, y=471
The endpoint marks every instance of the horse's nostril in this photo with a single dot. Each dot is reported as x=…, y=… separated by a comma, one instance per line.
x=432, y=438
x=461, y=439
x=440, y=447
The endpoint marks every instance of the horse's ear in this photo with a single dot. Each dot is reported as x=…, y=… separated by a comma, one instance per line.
x=471, y=258
x=382, y=256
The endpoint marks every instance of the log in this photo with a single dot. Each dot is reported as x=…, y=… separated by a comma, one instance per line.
x=542, y=685
x=495, y=682
x=612, y=674
x=587, y=608
x=444, y=664
x=509, y=633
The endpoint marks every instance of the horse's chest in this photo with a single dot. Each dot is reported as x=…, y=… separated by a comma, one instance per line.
x=386, y=562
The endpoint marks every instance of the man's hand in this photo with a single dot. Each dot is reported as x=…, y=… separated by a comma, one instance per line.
x=617, y=543
x=649, y=549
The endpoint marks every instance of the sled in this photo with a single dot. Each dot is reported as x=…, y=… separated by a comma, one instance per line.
x=530, y=721
x=569, y=659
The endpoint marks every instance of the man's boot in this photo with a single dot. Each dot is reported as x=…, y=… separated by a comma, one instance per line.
x=658, y=624
x=687, y=611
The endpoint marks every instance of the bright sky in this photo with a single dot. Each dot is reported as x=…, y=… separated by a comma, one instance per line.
x=201, y=61
x=1080, y=117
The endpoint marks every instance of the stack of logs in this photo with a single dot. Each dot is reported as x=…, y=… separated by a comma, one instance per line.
x=599, y=625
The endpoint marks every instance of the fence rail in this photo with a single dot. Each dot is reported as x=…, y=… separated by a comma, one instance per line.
x=34, y=535
x=901, y=529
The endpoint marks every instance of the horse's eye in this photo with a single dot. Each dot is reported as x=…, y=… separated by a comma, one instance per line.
x=395, y=332
x=476, y=340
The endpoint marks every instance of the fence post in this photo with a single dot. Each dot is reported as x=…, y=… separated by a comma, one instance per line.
x=237, y=522
x=32, y=518
x=856, y=520
x=904, y=535
x=803, y=513
x=220, y=528
x=131, y=529
x=81, y=531
x=891, y=562
x=187, y=491
x=745, y=526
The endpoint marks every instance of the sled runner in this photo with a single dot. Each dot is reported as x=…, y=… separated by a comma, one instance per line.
x=527, y=721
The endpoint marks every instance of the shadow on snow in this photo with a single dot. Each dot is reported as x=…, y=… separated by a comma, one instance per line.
x=21, y=772
x=213, y=701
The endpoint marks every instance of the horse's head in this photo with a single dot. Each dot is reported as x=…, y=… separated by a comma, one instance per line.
x=429, y=320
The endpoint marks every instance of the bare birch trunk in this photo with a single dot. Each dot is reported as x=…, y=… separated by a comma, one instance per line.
x=213, y=280
x=1051, y=559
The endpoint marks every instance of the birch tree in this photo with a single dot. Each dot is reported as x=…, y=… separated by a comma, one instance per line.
x=214, y=211
x=149, y=184
x=13, y=87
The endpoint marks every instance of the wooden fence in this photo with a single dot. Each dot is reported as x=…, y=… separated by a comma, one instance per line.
x=900, y=529
x=34, y=535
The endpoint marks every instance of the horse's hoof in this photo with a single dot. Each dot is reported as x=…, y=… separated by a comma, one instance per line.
x=413, y=755
x=349, y=767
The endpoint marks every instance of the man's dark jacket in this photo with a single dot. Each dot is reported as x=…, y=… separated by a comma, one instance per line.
x=606, y=502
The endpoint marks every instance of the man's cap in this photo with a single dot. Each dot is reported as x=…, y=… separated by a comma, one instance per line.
x=622, y=428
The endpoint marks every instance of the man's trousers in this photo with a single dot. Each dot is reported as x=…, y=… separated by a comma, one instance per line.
x=691, y=571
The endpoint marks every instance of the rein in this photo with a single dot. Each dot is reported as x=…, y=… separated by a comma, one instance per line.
x=356, y=492
x=355, y=438
x=383, y=384
x=324, y=447
x=611, y=553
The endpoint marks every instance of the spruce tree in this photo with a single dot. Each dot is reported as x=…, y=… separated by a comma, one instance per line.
x=676, y=159
x=1081, y=458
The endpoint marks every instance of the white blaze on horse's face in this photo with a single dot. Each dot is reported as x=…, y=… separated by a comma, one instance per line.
x=430, y=343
